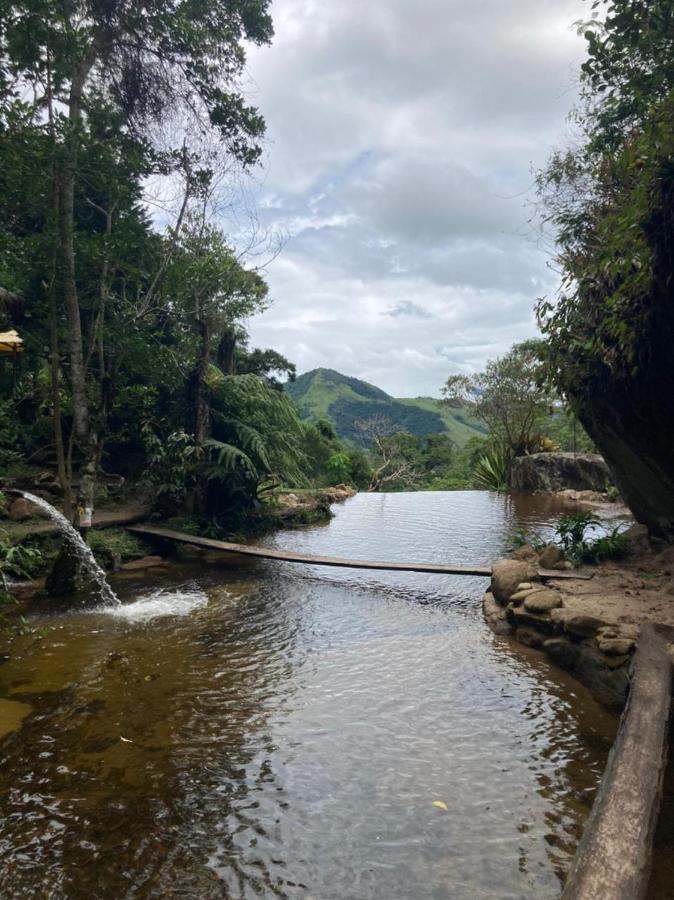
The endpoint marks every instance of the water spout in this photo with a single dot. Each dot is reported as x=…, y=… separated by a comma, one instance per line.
x=85, y=557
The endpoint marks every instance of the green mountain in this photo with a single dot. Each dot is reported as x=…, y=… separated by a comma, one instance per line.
x=326, y=394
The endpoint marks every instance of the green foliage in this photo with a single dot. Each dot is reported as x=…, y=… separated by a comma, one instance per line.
x=491, y=470
x=510, y=397
x=171, y=466
x=108, y=544
x=571, y=531
x=19, y=560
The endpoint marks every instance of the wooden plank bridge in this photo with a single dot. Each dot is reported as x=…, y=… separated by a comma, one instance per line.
x=308, y=559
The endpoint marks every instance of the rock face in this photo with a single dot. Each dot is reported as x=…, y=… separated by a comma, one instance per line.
x=551, y=472
x=21, y=509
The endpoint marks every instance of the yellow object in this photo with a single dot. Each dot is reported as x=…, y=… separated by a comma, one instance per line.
x=441, y=805
x=10, y=342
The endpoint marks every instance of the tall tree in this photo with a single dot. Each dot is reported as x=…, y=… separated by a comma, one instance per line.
x=150, y=62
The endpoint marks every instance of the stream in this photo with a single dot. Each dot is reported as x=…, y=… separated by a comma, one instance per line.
x=248, y=728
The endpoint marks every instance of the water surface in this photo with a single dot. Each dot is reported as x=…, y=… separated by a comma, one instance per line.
x=261, y=729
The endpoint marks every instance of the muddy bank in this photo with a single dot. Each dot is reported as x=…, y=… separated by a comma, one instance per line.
x=588, y=627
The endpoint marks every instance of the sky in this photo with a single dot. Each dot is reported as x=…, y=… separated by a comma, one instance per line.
x=402, y=140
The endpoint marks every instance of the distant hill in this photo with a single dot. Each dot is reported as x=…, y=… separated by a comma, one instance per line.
x=326, y=394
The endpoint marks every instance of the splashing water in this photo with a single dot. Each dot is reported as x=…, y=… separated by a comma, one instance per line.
x=160, y=603
x=87, y=560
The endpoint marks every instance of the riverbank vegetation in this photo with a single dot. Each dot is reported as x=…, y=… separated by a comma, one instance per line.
x=608, y=204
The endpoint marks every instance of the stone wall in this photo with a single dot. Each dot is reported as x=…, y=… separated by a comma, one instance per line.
x=597, y=652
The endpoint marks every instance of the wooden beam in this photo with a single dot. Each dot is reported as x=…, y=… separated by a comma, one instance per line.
x=613, y=859
x=288, y=556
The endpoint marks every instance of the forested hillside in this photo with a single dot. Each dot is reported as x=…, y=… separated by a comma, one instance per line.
x=351, y=404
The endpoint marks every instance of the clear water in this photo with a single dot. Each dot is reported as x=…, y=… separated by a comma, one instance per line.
x=258, y=729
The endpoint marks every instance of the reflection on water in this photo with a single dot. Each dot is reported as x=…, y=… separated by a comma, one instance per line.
x=269, y=730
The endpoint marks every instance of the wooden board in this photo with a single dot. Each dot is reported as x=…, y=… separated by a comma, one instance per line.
x=307, y=559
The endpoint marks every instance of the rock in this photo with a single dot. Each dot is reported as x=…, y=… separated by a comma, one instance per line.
x=615, y=646
x=550, y=472
x=65, y=577
x=520, y=596
x=526, y=586
x=523, y=618
x=21, y=509
x=530, y=637
x=526, y=553
x=637, y=536
x=563, y=565
x=495, y=615
x=542, y=601
x=608, y=685
x=550, y=556
x=507, y=575
x=562, y=651
x=145, y=562
x=583, y=626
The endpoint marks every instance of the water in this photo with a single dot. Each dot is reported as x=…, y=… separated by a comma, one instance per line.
x=98, y=586
x=257, y=729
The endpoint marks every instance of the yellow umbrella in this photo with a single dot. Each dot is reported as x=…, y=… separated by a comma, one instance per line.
x=10, y=342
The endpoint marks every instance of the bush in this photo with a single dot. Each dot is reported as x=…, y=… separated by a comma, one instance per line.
x=115, y=542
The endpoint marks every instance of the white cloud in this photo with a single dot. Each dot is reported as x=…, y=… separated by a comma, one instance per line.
x=402, y=139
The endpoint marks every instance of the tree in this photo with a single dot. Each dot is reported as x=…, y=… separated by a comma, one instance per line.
x=510, y=397
x=610, y=330
x=394, y=456
x=213, y=290
x=146, y=63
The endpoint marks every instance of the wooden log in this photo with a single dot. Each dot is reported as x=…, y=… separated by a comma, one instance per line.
x=308, y=559
x=613, y=859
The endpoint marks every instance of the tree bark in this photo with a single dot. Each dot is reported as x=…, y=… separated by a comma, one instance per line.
x=85, y=438
x=202, y=417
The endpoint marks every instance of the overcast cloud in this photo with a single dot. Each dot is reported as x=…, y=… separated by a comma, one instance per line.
x=402, y=137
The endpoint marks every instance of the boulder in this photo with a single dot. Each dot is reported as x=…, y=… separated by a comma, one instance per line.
x=581, y=625
x=637, y=537
x=551, y=472
x=495, y=615
x=615, y=646
x=506, y=577
x=523, y=618
x=526, y=553
x=20, y=510
x=531, y=637
x=550, y=556
x=543, y=601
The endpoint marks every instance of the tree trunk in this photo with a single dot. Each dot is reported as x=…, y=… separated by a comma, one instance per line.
x=202, y=416
x=54, y=354
x=85, y=438
x=226, y=352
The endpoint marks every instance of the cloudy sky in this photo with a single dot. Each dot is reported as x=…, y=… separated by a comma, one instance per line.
x=402, y=137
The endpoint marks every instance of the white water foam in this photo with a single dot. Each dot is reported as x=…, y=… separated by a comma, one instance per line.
x=164, y=602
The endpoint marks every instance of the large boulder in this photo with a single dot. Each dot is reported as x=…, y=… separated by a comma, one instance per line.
x=506, y=577
x=551, y=472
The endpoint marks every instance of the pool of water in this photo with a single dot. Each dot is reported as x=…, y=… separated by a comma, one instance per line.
x=255, y=728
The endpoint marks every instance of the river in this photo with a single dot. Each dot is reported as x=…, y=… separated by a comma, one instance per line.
x=257, y=729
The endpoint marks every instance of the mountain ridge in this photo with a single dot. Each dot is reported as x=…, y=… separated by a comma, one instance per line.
x=344, y=400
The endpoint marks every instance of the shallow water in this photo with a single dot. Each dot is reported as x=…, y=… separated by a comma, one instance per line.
x=261, y=729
